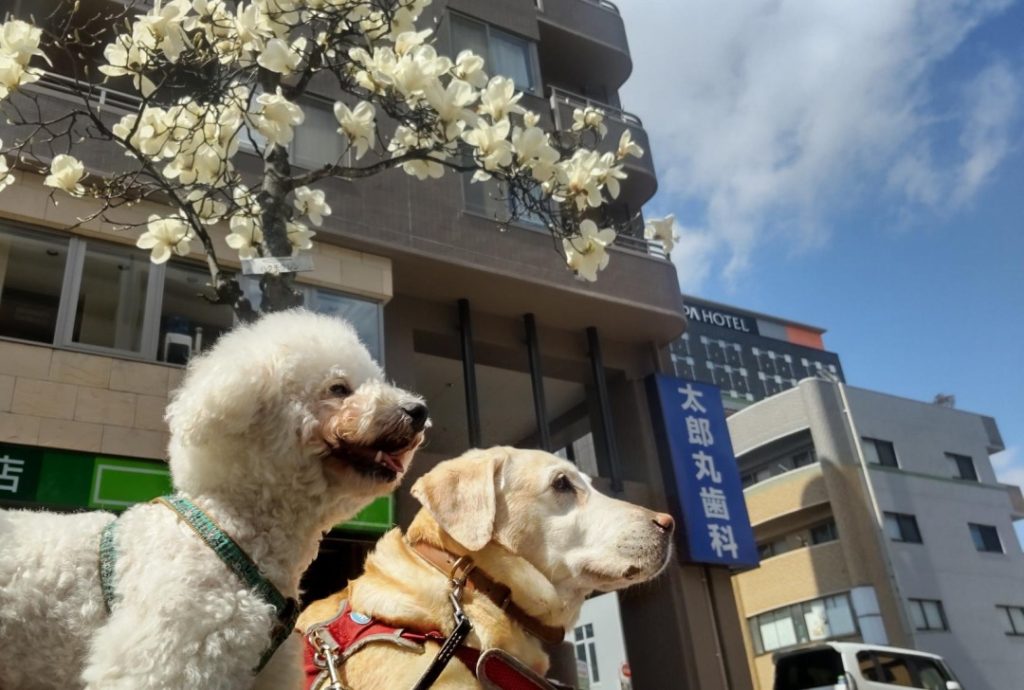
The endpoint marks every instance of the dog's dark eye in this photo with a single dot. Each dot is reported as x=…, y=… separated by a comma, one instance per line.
x=340, y=389
x=562, y=485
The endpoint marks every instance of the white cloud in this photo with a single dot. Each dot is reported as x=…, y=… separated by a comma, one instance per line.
x=1009, y=466
x=776, y=111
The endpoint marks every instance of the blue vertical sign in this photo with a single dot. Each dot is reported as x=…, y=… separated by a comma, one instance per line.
x=701, y=473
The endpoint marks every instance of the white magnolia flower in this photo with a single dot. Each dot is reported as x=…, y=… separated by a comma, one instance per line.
x=493, y=149
x=20, y=40
x=357, y=124
x=610, y=174
x=246, y=234
x=470, y=68
x=164, y=24
x=300, y=236
x=451, y=105
x=589, y=118
x=126, y=57
x=531, y=119
x=277, y=117
x=14, y=75
x=375, y=71
x=209, y=209
x=66, y=173
x=628, y=147
x=278, y=56
x=418, y=71
x=165, y=235
x=581, y=178
x=587, y=253
x=312, y=203
x=499, y=99
x=664, y=230
x=408, y=40
x=534, y=150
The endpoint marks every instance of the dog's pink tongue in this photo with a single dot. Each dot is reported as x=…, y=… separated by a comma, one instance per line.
x=390, y=461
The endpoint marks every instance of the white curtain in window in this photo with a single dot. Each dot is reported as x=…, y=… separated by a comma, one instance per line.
x=816, y=620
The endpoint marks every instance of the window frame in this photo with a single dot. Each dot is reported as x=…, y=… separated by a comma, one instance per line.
x=537, y=89
x=797, y=615
x=957, y=459
x=972, y=526
x=72, y=289
x=900, y=520
x=924, y=615
x=831, y=532
x=1008, y=610
x=71, y=286
x=874, y=444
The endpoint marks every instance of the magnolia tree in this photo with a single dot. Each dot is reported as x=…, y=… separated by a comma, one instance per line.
x=212, y=75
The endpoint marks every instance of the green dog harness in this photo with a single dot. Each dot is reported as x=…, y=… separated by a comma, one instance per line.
x=229, y=552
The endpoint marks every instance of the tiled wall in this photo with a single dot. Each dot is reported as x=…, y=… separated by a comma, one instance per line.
x=78, y=401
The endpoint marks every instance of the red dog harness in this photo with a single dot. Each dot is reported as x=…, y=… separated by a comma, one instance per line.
x=350, y=631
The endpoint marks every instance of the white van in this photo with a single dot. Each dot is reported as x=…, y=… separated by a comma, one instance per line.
x=851, y=666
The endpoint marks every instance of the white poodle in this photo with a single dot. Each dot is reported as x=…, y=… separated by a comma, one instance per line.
x=282, y=430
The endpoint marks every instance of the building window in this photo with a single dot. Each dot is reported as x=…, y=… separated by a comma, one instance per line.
x=107, y=297
x=902, y=527
x=317, y=142
x=586, y=650
x=880, y=452
x=928, y=614
x=824, y=533
x=820, y=619
x=963, y=467
x=986, y=538
x=505, y=54
x=32, y=268
x=780, y=464
x=1014, y=619
x=112, y=289
x=189, y=323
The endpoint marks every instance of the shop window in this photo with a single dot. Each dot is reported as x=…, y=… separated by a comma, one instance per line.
x=928, y=614
x=189, y=323
x=963, y=467
x=902, y=527
x=880, y=452
x=504, y=53
x=113, y=284
x=986, y=538
x=32, y=270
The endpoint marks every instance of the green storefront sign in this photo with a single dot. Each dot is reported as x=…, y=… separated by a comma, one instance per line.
x=69, y=480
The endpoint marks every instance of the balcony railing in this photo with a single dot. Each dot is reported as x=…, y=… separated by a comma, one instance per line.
x=103, y=98
x=603, y=4
x=575, y=100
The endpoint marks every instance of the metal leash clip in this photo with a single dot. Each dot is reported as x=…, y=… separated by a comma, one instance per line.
x=324, y=657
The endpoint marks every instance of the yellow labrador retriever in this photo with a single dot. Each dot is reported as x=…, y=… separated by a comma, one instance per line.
x=530, y=537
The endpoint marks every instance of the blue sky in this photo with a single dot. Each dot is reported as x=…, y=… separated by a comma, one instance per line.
x=858, y=165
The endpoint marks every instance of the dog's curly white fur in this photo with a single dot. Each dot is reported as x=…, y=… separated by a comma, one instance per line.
x=280, y=431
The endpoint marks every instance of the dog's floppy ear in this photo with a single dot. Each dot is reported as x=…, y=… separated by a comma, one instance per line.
x=459, y=494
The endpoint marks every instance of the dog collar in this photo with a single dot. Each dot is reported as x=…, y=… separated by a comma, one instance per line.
x=227, y=550
x=462, y=570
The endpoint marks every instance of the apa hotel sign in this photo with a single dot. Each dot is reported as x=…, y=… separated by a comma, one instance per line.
x=723, y=319
x=701, y=477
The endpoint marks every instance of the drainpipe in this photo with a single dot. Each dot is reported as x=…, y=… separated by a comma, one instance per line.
x=879, y=530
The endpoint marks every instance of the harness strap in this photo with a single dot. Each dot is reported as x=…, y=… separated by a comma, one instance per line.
x=239, y=562
x=227, y=550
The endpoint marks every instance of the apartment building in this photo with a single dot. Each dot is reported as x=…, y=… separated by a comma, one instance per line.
x=748, y=355
x=506, y=346
x=879, y=519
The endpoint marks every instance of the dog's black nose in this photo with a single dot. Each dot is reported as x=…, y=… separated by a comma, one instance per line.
x=418, y=414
